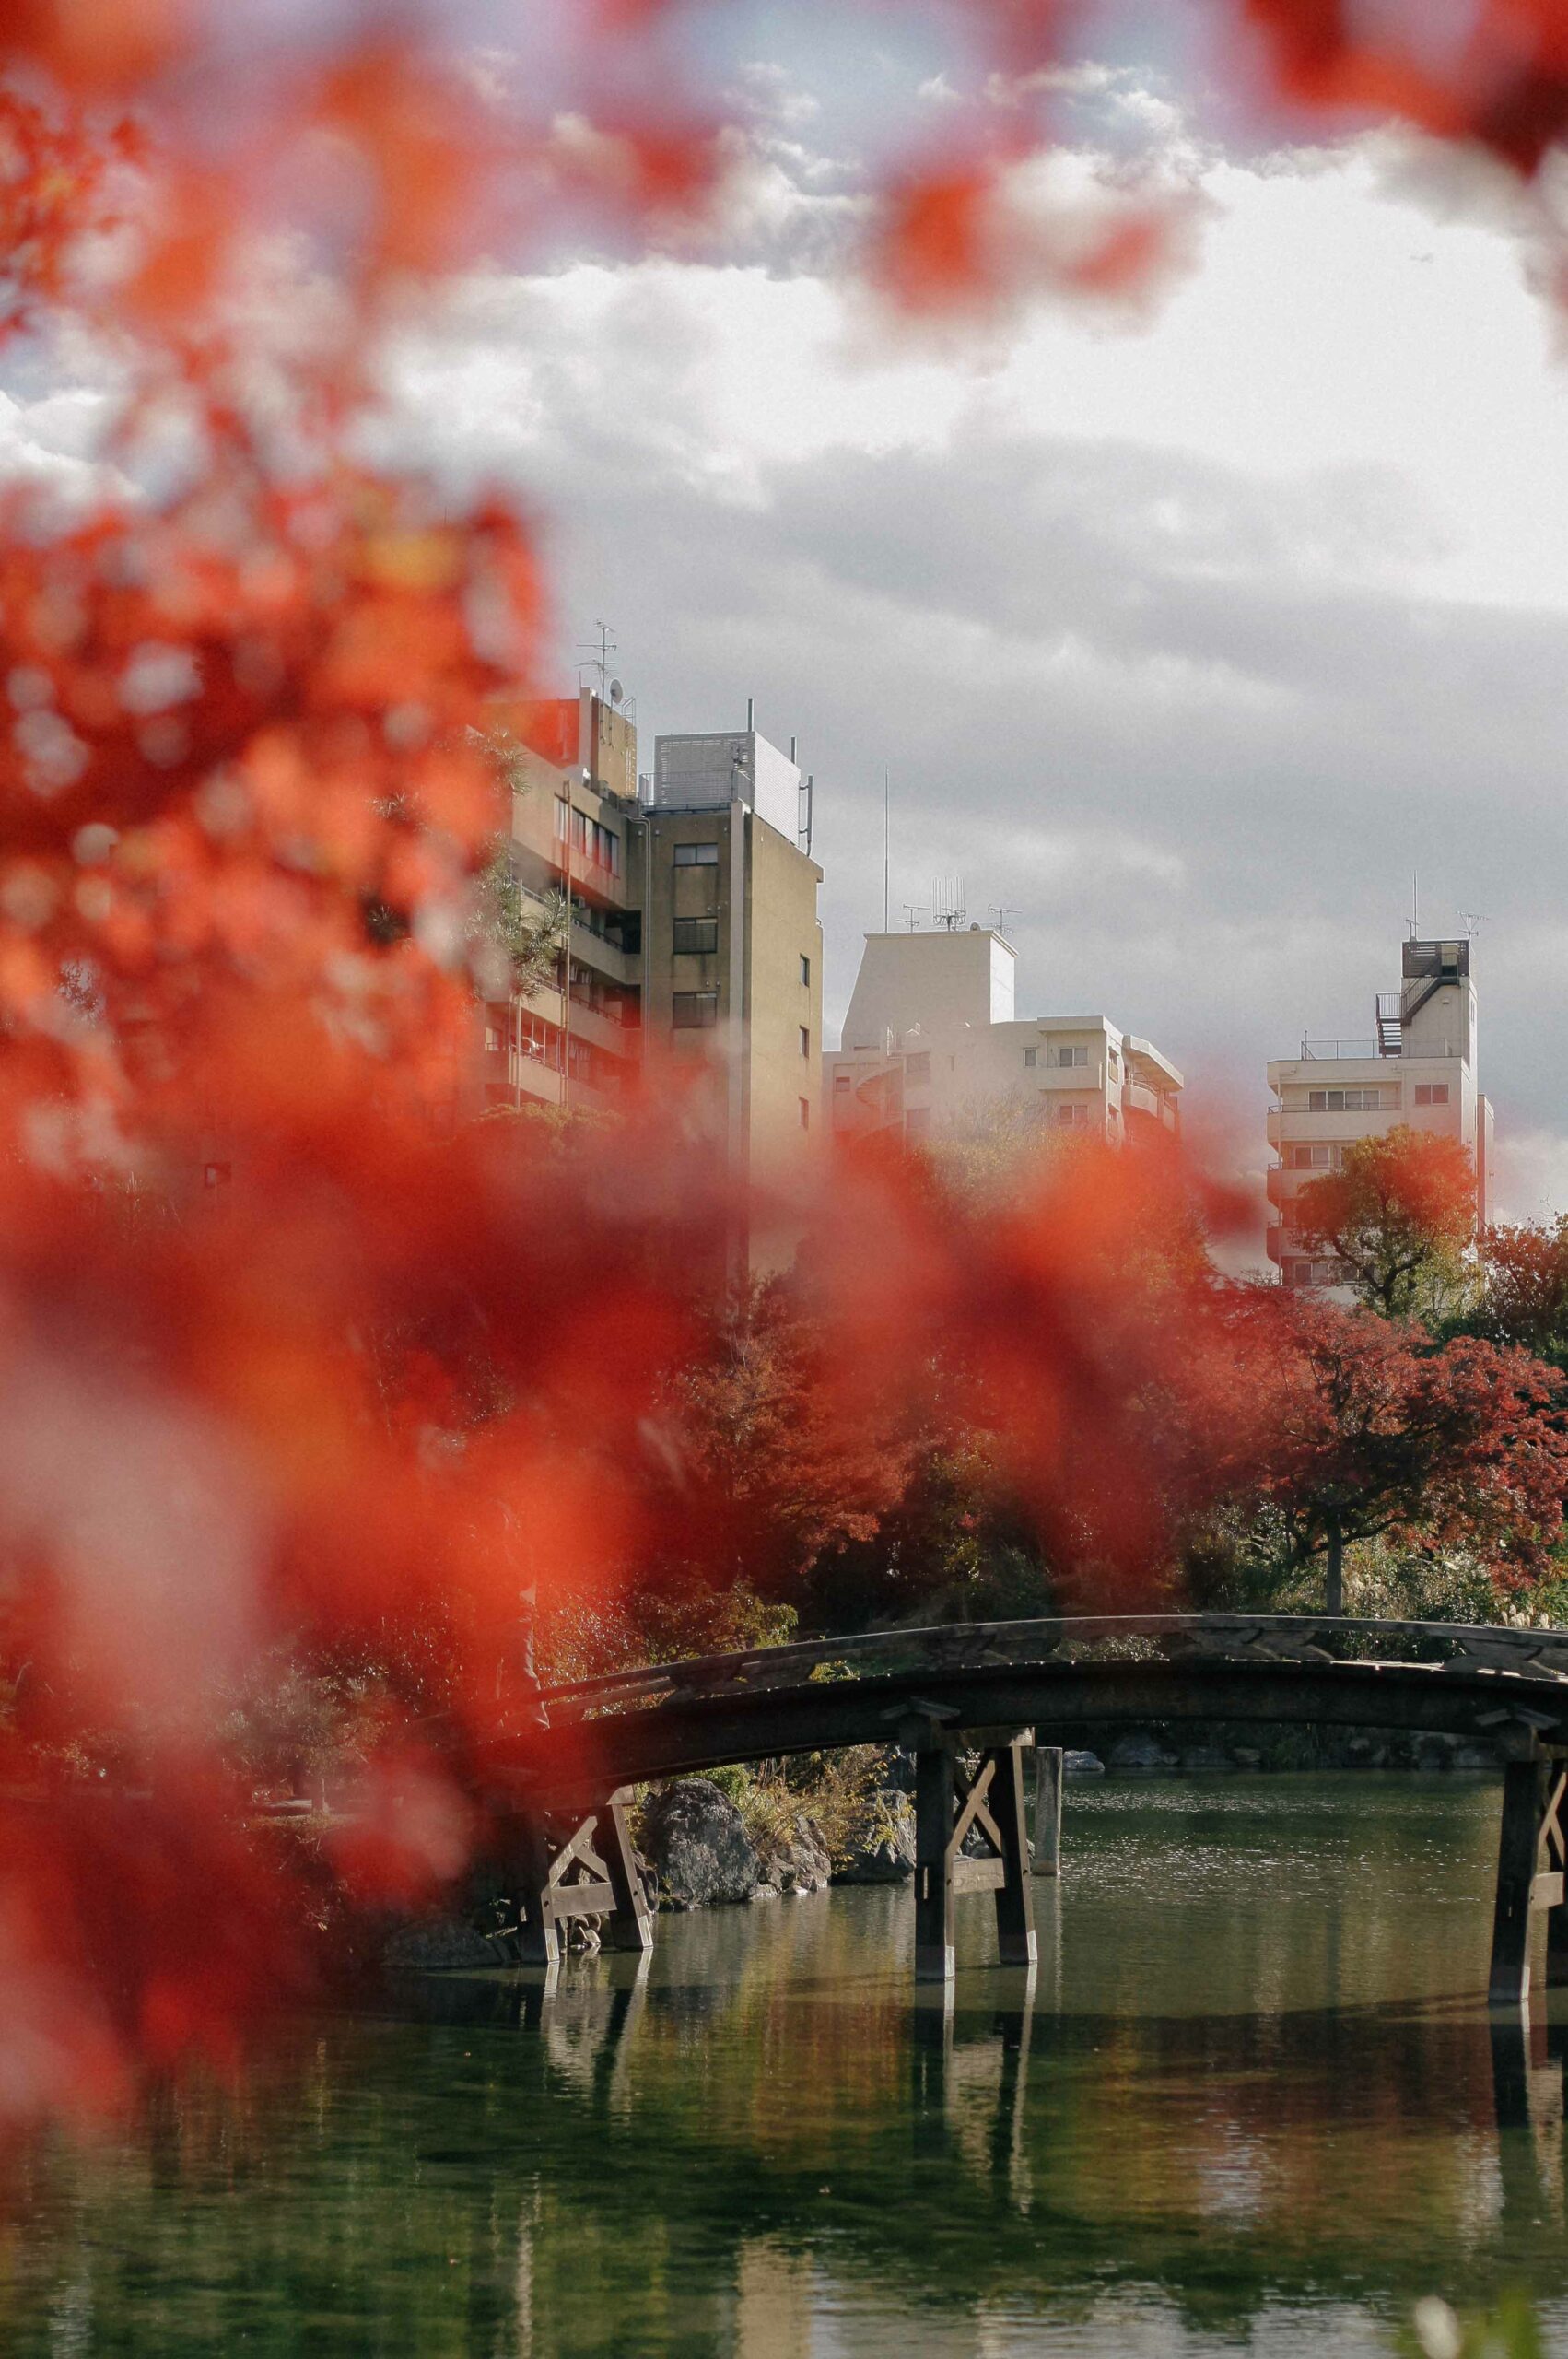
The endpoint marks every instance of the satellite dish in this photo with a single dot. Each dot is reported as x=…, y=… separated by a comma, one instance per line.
x=616, y=692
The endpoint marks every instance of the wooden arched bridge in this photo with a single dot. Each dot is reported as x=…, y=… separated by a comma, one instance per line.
x=999, y=1689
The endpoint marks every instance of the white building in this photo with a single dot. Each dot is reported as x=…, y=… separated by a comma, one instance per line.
x=1420, y=1070
x=931, y=1045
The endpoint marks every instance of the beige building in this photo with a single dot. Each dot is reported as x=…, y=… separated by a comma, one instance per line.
x=1418, y=1070
x=693, y=931
x=932, y=1046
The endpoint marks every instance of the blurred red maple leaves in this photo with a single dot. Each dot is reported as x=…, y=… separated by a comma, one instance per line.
x=397, y=1376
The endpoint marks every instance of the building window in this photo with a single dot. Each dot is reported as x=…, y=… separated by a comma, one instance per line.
x=1114, y=1062
x=1349, y=1101
x=563, y=822
x=1070, y=1056
x=1069, y=1118
x=918, y=1069
x=1317, y=1158
x=918, y=1122
x=693, y=1011
x=805, y=1040
x=1031, y=1056
x=697, y=855
x=696, y=937
x=842, y=1084
x=805, y=1104
x=1432, y=1093
x=805, y=972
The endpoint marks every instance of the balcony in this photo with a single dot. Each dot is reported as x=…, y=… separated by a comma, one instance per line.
x=596, y=950
x=1293, y=1125
x=602, y=1030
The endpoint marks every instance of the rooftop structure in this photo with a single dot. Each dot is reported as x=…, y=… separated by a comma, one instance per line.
x=1418, y=1068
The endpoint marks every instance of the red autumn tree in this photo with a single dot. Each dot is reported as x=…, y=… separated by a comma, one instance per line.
x=1525, y=1271
x=1399, y=1214
x=1368, y=1431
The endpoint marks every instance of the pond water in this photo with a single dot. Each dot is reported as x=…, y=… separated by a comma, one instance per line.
x=1250, y=2101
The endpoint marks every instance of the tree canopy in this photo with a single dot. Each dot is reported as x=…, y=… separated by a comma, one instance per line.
x=1400, y=1214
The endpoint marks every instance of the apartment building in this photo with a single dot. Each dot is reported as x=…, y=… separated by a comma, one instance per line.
x=1418, y=1068
x=933, y=1044
x=733, y=941
x=693, y=937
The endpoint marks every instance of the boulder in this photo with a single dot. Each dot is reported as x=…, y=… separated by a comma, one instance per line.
x=1139, y=1752
x=1081, y=1764
x=882, y=1848
x=443, y=1945
x=1205, y=1756
x=1247, y=1757
x=697, y=1846
x=799, y=1863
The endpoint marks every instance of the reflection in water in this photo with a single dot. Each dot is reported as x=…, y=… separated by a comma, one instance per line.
x=1249, y=2100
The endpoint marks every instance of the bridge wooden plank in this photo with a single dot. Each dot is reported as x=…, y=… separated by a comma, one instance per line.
x=977, y=1875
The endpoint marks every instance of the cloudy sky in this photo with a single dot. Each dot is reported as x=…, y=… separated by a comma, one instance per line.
x=1184, y=631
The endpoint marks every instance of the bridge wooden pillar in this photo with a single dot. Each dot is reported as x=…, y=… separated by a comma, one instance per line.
x=949, y=1807
x=1048, y=1810
x=1531, y=1861
x=576, y=1864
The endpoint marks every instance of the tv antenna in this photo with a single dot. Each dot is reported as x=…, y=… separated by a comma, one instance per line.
x=912, y=915
x=1473, y=918
x=947, y=902
x=999, y=910
x=598, y=651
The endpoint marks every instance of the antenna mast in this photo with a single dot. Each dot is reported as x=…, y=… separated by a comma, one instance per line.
x=947, y=902
x=600, y=652
x=886, y=844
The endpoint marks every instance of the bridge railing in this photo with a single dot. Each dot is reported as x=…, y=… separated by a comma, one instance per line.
x=1451, y=1647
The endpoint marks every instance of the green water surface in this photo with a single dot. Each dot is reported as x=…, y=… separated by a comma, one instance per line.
x=1249, y=2101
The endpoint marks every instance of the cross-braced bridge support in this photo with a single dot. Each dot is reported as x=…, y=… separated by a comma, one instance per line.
x=969, y=1836
x=1532, y=1865
x=569, y=1864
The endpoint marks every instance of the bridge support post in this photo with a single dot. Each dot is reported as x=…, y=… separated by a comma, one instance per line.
x=949, y=1808
x=1014, y=1926
x=936, y=1771
x=1048, y=1810
x=576, y=1864
x=1531, y=1878
x=631, y=1919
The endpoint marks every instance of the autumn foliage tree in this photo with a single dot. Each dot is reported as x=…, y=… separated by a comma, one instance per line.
x=1368, y=1430
x=1525, y=1266
x=1400, y=1214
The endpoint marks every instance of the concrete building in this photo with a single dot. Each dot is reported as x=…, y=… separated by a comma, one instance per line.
x=733, y=943
x=933, y=1044
x=694, y=931
x=1418, y=1070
